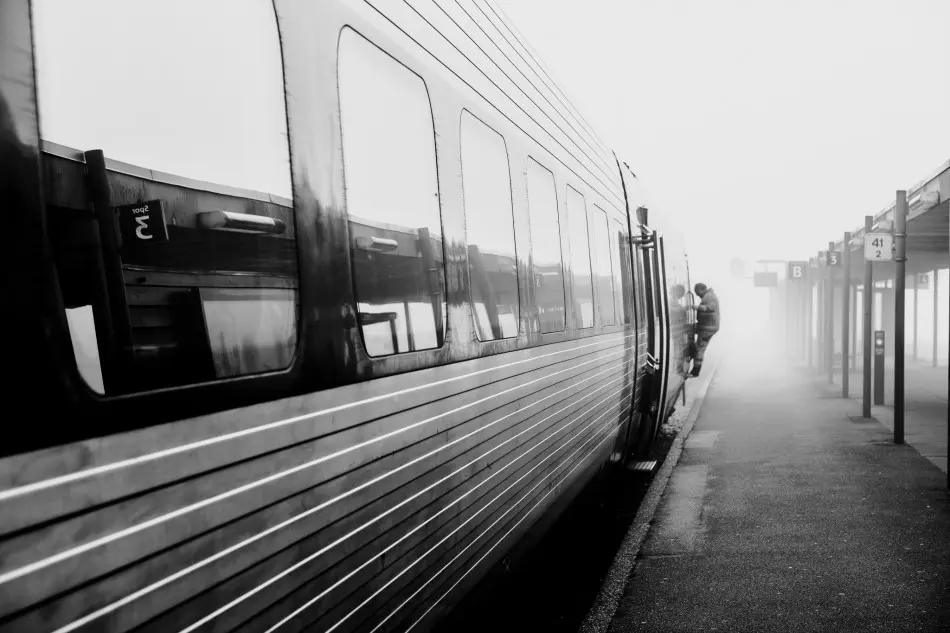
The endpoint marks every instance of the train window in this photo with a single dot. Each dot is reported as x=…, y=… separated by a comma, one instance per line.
x=580, y=259
x=392, y=199
x=178, y=264
x=181, y=114
x=644, y=302
x=603, y=275
x=489, y=229
x=620, y=254
x=546, y=247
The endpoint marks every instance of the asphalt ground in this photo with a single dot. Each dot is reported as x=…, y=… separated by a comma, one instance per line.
x=788, y=513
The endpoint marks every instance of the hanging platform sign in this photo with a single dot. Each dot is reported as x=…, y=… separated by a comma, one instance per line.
x=797, y=270
x=765, y=280
x=879, y=247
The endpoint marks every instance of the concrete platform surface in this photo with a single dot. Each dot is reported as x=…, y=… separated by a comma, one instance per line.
x=925, y=405
x=787, y=512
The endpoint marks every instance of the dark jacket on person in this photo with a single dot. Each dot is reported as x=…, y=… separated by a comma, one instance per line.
x=707, y=314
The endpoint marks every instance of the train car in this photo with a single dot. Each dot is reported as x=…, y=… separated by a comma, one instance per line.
x=314, y=311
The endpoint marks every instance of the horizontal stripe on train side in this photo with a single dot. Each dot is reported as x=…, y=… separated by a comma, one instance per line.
x=312, y=550
x=221, y=495
x=46, y=484
x=492, y=552
x=407, y=548
x=440, y=578
x=232, y=539
x=440, y=563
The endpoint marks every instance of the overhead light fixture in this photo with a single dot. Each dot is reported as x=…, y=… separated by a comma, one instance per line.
x=924, y=200
x=240, y=222
x=373, y=243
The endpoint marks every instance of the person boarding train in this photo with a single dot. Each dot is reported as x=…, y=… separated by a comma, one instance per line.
x=707, y=324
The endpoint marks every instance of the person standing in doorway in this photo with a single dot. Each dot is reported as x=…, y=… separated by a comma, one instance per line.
x=681, y=331
x=707, y=324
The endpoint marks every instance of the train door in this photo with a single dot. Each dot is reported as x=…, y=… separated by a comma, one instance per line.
x=662, y=302
x=649, y=264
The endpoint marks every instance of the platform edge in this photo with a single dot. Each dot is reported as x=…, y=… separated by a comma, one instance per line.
x=605, y=605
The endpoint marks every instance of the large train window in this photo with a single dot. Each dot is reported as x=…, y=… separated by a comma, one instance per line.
x=392, y=199
x=620, y=254
x=178, y=264
x=546, y=247
x=603, y=274
x=581, y=270
x=489, y=230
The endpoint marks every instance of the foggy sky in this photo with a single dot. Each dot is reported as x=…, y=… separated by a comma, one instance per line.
x=767, y=128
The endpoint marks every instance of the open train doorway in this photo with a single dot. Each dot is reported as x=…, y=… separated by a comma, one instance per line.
x=648, y=254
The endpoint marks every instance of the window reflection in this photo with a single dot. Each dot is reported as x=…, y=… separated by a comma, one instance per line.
x=546, y=247
x=184, y=123
x=250, y=329
x=580, y=259
x=643, y=289
x=489, y=226
x=603, y=275
x=620, y=253
x=178, y=299
x=392, y=200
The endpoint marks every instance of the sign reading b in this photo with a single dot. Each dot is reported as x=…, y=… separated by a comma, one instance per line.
x=796, y=270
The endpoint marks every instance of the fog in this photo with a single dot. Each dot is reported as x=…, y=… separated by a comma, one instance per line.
x=765, y=128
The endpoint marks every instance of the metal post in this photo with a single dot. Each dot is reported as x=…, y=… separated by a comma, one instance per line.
x=868, y=299
x=915, y=316
x=900, y=257
x=936, y=319
x=819, y=325
x=804, y=292
x=119, y=326
x=799, y=322
x=845, y=316
x=830, y=320
x=854, y=327
x=821, y=333
x=879, y=366
x=806, y=321
x=789, y=317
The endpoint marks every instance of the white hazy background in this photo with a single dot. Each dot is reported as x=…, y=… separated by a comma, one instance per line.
x=765, y=127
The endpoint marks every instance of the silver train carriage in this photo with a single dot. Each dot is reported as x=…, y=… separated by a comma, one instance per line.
x=313, y=311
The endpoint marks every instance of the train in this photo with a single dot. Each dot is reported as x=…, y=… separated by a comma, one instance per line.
x=314, y=311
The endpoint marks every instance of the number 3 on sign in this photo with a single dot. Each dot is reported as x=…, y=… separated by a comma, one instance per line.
x=878, y=247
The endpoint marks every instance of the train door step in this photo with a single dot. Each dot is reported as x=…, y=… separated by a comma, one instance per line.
x=644, y=467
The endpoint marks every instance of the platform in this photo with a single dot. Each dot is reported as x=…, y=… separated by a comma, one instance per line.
x=788, y=512
x=925, y=405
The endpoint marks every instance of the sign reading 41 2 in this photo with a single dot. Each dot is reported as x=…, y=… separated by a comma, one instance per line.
x=879, y=247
